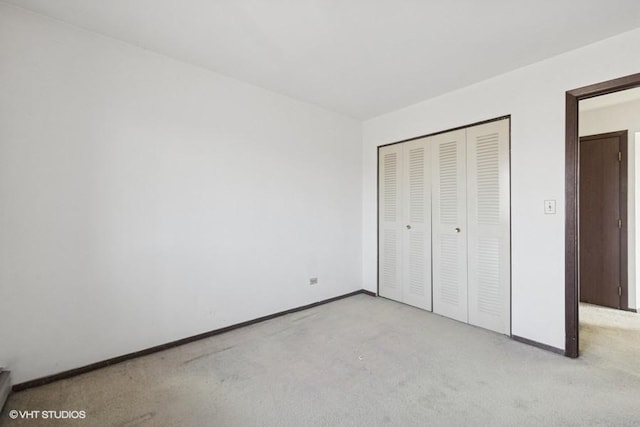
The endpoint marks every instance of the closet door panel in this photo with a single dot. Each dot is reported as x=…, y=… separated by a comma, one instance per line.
x=417, y=219
x=390, y=219
x=449, y=225
x=489, y=226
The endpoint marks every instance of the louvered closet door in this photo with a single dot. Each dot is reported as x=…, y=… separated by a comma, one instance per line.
x=489, y=225
x=449, y=225
x=416, y=258
x=390, y=218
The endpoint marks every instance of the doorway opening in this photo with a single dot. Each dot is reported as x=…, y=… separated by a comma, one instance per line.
x=600, y=264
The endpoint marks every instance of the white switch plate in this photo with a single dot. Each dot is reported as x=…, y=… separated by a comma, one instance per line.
x=550, y=207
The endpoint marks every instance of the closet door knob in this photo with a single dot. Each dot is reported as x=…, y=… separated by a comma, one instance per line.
x=457, y=229
x=408, y=227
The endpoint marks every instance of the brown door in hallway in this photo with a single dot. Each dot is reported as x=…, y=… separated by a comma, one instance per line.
x=602, y=222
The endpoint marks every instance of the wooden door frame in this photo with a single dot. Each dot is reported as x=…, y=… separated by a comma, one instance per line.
x=622, y=136
x=571, y=197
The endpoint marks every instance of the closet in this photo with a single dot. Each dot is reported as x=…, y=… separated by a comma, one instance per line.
x=444, y=224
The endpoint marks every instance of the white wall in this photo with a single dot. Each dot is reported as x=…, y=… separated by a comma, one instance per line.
x=535, y=98
x=625, y=116
x=143, y=200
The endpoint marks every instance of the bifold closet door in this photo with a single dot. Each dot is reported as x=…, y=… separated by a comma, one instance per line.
x=488, y=218
x=404, y=216
x=449, y=225
x=390, y=224
x=416, y=254
x=444, y=224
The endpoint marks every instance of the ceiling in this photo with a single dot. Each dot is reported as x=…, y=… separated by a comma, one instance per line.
x=357, y=57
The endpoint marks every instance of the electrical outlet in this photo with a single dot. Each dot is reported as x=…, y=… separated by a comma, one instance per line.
x=313, y=281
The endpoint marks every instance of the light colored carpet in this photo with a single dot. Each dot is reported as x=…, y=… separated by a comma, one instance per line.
x=361, y=361
x=610, y=338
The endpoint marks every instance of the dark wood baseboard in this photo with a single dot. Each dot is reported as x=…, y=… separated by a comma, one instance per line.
x=103, y=364
x=538, y=344
x=371, y=294
x=633, y=310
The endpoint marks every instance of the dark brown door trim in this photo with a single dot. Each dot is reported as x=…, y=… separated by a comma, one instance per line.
x=571, y=198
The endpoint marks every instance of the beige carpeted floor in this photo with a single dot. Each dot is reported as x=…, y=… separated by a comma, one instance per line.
x=610, y=338
x=361, y=361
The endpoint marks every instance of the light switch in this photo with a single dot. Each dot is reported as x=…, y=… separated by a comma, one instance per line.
x=550, y=207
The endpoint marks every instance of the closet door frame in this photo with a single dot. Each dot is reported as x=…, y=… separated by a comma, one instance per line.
x=505, y=117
